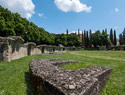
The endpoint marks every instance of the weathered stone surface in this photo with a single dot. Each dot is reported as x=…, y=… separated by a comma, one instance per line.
x=30, y=44
x=49, y=79
x=13, y=47
x=32, y=48
x=17, y=39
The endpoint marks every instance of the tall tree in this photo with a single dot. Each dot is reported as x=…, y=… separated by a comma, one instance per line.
x=115, y=40
x=121, y=39
x=73, y=40
x=2, y=26
x=103, y=31
x=67, y=31
x=90, y=37
x=96, y=38
x=106, y=30
x=82, y=38
x=100, y=39
x=104, y=39
x=79, y=33
x=87, y=39
x=111, y=36
x=124, y=36
x=12, y=24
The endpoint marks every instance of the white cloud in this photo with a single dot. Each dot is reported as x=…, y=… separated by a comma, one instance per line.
x=40, y=14
x=116, y=9
x=72, y=5
x=24, y=7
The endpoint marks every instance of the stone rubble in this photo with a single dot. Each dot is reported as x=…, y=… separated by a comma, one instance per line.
x=49, y=79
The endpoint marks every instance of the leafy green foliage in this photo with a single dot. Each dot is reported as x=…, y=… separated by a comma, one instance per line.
x=67, y=40
x=122, y=38
x=111, y=36
x=100, y=39
x=11, y=24
x=73, y=40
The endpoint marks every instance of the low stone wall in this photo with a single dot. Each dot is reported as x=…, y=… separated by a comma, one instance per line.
x=49, y=49
x=92, y=48
x=33, y=49
x=17, y=48
x=122, y=48
x=49, y=79
x=13, y=47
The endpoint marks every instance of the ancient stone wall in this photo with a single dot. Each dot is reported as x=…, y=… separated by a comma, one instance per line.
x=49, y=49
x=33, y=49
x=17, y=48
x=122, y=48
x=13, y=47
x=48, y=79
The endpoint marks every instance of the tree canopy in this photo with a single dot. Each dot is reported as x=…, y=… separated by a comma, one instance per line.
x=100, y=39
x=12, y=24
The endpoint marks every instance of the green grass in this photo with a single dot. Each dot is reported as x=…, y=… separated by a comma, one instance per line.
x=14, y=75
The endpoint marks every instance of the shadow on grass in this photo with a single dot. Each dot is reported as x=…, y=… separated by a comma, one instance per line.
x=30, y=90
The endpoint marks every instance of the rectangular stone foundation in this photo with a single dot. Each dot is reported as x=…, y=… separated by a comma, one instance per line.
x=48, y=79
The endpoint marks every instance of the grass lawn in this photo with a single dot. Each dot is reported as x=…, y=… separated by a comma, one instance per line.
x=14, y=75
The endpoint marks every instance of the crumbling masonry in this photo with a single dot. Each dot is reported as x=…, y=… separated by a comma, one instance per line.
x=49, y=79
x=13, y=47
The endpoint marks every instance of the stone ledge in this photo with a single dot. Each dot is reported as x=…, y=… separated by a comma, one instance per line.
x=30, y=44
x=49, y=79
x=17, y=39
x=5, y=40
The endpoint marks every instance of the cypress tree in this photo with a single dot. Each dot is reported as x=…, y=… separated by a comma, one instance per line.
x=111, y=36
x=79, y=33
x=106, y=30
x=121, y=39
x=67, y=31
x=124, y=36
x=87, y=39
x=90, y=38
x=82, y=38
x=115, y=40
x=103, y=31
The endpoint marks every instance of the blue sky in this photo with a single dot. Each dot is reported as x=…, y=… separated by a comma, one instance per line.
x=56, y=17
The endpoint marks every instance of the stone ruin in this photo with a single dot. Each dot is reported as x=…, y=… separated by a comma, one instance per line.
x=48, y=79
x=13, y=47
x=120, y=47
